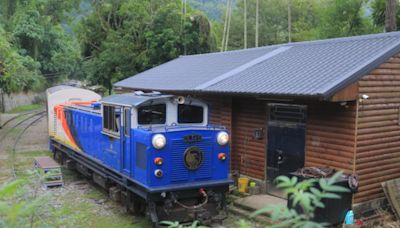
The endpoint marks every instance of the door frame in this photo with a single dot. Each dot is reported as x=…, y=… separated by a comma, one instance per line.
x=267, y=117
x=124, y=137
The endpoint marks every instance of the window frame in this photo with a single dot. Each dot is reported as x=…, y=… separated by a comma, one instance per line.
x=152, y=124
x=196, y=105
x=127, y=121
x=113, y=126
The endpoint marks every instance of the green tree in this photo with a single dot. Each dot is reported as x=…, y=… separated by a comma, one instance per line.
x=36, y=28
x=340, y=18
x=17, y=72
x=122, y=38
x=310, y=20
x=378, y=13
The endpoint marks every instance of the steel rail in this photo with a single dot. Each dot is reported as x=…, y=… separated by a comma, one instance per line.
x=19, y=123
x=19, y=115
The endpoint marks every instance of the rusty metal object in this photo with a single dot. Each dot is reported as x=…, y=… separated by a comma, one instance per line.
x=46, y=163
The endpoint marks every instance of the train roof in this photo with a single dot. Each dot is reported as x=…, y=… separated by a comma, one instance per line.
x=132, y=99
x=59, y=88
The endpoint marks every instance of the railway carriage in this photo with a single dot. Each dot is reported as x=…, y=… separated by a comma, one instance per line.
x=158, y=150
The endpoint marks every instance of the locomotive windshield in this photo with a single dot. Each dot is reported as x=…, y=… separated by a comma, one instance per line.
x=190, y=114
x=152, y=114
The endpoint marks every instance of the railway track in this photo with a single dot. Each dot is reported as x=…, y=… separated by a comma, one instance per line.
x=16, y=117
x=33, y=118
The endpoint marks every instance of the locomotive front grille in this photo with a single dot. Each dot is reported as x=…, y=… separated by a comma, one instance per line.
x=179, y=171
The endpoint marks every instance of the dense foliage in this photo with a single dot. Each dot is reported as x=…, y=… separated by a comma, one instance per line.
x=46, y=41
x=122, y=38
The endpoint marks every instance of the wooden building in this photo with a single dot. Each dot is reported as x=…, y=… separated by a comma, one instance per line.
x=328, y=103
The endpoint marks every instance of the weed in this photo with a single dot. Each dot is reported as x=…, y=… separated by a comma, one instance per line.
x=25, y=108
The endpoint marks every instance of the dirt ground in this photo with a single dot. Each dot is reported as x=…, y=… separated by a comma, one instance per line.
x=80, y=203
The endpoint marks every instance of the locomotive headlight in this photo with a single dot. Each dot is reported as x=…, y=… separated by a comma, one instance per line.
x=222, y=138
x=159, y=141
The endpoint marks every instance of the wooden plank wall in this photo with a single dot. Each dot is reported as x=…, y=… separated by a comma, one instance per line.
x=241, y=116
x=330, y=135
x=378, y=132
x=249, y=153
x=220, y=110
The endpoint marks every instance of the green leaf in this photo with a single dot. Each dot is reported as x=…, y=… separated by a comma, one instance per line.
x=336, y=188
x=315, y=191
x=194, y=224
x=334, y=178
x=323, y=183
x=319, y=204
x=11, y=188
x=329, y=195
x=261, y=211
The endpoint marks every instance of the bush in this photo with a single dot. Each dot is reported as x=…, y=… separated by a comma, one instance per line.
x=305, y=195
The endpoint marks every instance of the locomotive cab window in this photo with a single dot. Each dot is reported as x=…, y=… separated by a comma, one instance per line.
x=152, y=114
x=127, y=121
x=111, y=119
x=190, y=114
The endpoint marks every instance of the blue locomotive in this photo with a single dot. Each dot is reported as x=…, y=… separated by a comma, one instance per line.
x=158, y=151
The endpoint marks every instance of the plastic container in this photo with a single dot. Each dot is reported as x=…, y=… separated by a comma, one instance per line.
x=243, y=183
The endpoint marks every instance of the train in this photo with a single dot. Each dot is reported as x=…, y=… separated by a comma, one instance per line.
x=157, y=152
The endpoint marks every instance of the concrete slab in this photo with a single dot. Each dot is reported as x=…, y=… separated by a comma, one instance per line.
x=255, y=202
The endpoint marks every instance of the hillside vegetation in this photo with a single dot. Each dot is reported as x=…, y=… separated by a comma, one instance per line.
x=43, y=42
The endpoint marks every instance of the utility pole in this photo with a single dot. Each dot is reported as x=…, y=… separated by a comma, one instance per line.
x=390, y=16
x=229, y=25
x=225, y=25
x=184, y=21
x=289, y=21
x=257, y=9
x=245, y=24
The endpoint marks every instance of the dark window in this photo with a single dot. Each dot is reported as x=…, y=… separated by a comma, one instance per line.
x=127, y=121
x=111, y=118
x=190, y=114
x=152, y=114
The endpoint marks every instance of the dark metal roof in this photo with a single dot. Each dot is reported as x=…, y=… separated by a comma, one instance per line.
x=312, y=68
x=131, y=99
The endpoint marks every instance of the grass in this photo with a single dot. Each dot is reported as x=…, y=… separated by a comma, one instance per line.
x=95, y=194
x=25, y=108
x=82, y=206
x=36, y=153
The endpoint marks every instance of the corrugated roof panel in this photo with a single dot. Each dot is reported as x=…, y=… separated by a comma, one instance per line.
x=187, y=72
x=306, y=70
x=313, y=68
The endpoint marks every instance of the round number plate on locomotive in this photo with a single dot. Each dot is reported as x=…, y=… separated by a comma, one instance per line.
x=193, y=158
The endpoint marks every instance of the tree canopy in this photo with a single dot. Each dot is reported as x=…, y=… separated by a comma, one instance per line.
x=103, y=41
x=122, y=38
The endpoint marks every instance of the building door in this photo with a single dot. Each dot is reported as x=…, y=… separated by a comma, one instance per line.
x=126, y=142
x=286, y=142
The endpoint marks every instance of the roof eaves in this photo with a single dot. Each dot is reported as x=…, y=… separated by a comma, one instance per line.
x=360, y=71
